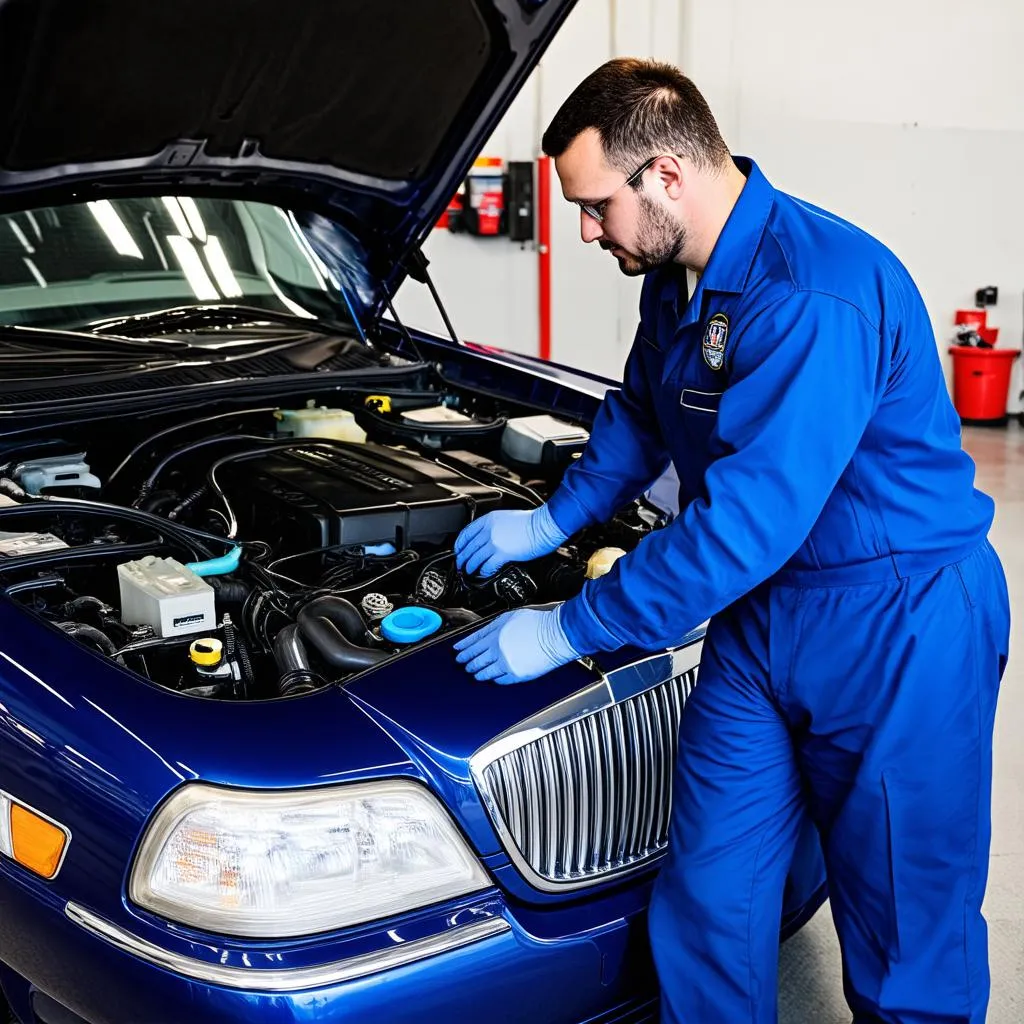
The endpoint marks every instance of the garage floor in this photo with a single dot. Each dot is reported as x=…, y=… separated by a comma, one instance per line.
x=809, y=971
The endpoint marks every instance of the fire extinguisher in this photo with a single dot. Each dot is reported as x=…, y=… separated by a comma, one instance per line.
x=484, y=205
x=452, y=218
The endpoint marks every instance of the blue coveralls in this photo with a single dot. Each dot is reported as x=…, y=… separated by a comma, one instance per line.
x=831, y=530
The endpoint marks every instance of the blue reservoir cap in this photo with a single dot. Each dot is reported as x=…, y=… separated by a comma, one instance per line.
x=410, y=625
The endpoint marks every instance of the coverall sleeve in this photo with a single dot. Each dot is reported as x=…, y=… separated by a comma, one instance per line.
x=626, y=453
x=807, y=373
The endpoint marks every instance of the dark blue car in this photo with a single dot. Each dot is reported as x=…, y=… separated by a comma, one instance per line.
x=242, y=777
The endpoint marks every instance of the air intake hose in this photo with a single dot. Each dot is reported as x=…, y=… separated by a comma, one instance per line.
x=335, y=628
x=290, y=654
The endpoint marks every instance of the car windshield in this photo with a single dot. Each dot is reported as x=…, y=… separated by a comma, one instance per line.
x=71, y=266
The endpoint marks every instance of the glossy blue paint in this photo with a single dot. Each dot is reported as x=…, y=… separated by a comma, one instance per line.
x=509, y=978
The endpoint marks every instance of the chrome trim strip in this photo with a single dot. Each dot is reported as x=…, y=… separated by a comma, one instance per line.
x=292, y=979
x=614, y=820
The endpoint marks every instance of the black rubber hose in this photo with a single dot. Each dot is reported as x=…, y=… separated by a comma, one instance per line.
x=457, y=616
x=183, y=426
x=297, y=676
x=160, y=503
x=335, y=649
x=87, y=608
x=90, y=634
x=344, y=614
x=229, y=591
x=319, y=623
x=149, y=484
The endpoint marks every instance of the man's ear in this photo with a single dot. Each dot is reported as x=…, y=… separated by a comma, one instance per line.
x=670, y=171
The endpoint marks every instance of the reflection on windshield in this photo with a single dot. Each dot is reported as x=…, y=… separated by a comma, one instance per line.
x=70, y=266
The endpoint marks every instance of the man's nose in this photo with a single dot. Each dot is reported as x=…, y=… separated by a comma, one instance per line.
x=590, y=229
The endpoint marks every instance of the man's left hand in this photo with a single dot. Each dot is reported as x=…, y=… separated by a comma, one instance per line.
x=516, y=647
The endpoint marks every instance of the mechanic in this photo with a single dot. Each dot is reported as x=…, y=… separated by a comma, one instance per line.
x=831, y=532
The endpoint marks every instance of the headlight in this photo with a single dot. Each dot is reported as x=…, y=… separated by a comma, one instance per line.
x=269, y=865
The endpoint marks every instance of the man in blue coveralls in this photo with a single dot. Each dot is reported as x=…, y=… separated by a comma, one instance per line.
x=831, y=531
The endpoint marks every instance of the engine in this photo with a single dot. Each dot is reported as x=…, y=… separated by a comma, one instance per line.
x=269, y=552
x=334, y=493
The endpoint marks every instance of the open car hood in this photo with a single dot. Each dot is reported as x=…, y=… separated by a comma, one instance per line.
x=361, y=115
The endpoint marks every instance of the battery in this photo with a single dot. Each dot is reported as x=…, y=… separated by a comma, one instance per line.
x=163, y=594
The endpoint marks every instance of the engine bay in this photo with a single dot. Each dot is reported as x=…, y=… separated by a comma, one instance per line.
x=265, y=552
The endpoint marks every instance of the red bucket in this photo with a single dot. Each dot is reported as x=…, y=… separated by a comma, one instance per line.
x=981, y=383
x=972, y=317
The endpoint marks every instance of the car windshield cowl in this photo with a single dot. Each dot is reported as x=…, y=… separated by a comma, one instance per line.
x=35, y=353
x=39, y=343
x=222, y=317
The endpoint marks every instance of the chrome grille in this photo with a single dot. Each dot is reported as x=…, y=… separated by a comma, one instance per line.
x=591, y=797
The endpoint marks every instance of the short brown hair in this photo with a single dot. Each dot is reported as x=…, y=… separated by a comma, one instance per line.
x=640, y=108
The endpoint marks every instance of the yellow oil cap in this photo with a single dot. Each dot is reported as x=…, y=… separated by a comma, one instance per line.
x=205, y=652
x=380, y=403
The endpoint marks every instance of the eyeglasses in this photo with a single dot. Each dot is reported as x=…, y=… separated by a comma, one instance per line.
x=596, y=210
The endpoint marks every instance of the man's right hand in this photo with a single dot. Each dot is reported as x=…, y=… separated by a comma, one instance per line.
x=484, y=546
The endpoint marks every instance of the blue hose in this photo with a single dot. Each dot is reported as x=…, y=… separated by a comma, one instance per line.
x=217, y=566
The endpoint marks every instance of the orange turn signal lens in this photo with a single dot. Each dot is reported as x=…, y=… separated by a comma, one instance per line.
x=36, y=843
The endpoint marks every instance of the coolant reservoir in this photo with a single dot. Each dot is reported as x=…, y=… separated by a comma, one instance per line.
x=319, y=421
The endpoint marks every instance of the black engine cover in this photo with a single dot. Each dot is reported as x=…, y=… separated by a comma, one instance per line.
x=337, y=493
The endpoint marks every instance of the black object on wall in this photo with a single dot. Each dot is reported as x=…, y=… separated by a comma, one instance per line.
x=519, y=200
x=987, y=296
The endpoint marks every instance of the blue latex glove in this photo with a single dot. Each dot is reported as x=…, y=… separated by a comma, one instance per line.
x=517, y=646
x=497, y=538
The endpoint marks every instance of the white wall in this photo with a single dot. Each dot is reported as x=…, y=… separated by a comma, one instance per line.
x=488, y=285
x=905, y=116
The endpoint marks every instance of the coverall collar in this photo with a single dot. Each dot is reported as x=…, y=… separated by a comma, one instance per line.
x=734, y=253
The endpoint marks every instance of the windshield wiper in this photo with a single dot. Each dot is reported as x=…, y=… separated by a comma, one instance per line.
x=188, y=319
